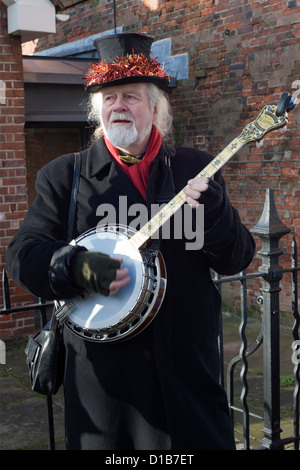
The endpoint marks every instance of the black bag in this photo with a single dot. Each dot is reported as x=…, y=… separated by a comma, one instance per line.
x=45, y=352
x=45, y=359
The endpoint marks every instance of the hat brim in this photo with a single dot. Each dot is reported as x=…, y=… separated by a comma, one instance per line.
x=160, y=82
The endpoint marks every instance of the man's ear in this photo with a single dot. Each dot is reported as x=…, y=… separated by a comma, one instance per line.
x=155, y=113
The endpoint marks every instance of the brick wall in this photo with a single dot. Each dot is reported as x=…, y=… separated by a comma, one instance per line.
x=242, y=55
x=13, y=190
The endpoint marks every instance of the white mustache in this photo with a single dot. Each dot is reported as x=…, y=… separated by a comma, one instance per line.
x=120, y=117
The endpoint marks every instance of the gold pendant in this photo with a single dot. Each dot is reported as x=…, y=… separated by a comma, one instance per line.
x=129, y=159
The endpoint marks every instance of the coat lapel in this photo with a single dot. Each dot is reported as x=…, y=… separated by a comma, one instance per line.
x=120, y=180
x=160, y=185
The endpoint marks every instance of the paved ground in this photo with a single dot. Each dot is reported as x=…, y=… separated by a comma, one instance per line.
x=23, y=413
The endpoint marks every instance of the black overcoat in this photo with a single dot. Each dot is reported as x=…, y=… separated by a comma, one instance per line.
x=159, y=390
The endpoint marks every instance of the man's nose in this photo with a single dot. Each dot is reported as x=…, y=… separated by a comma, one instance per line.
x=120, y=104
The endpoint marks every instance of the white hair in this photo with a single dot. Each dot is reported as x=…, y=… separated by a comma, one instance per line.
x=158, y=97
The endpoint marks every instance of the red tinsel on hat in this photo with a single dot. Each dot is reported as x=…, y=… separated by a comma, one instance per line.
x=129, y=66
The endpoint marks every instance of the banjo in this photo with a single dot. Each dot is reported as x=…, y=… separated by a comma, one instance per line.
x=123, y=315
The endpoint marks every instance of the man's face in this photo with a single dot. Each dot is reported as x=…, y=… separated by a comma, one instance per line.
x=127, y=116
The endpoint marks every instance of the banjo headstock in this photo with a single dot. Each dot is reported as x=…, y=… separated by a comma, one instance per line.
x=271, y=117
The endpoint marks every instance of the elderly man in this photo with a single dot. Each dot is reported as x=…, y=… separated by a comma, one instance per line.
x=157, y=390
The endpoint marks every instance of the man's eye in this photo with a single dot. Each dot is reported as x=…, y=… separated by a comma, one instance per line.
x=109, y=99
x=131, y=97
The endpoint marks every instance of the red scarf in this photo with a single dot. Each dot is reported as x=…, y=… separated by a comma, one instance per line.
x=139, y=172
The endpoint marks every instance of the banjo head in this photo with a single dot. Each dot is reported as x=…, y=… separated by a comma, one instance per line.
x=117, y=317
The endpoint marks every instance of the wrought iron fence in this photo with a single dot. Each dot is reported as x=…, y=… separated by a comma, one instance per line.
x=269, y=229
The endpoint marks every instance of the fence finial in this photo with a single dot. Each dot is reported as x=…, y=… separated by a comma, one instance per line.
x=270, y=223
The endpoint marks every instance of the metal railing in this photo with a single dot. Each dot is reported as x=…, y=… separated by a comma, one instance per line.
x=269, y=229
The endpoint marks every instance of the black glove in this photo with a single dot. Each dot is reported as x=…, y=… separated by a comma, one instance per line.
x=213, y=200
x=93, y=271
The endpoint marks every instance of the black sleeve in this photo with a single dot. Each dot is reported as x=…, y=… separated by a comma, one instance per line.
x=37, y=257
x=228, y=244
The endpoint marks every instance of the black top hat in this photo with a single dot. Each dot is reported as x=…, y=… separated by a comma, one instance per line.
x=124, y=58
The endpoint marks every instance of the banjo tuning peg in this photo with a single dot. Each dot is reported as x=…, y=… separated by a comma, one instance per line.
x=283, y=129
x=292, y=104
x=259, y=143
x=286, y=104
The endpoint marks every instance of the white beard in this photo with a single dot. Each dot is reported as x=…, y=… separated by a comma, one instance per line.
x=121, y=136
x=124, y=137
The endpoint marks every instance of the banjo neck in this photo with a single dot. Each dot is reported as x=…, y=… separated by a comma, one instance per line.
x=266, y=121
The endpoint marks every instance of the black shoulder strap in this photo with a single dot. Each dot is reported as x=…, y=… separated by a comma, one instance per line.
x=72, y=209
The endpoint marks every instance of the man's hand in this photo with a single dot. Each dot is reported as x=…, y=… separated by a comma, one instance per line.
x=98, y=272
x=196, y=187
x=121, y=280
x=209, y=193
